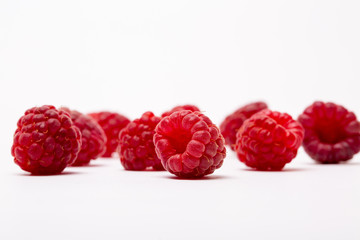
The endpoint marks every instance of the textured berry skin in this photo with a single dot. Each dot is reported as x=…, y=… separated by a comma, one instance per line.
x=45, y=141
x=189, y=144
x=93, y=137
x=332, y=133
x=189, y=107
x=233, y=122
x=136, y=146
x=111, y=123
x=268, y=140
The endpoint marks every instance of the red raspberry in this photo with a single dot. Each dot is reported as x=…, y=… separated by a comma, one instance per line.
x=268, y=140
x=189, y=144
x=136, y=147
x=111, y=123
x=332, y=133
x=192, y=108
x=233, y=122
x=45, y=141
x=93, y=137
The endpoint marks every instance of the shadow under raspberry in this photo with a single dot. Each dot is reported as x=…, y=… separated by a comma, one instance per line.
x=283, y=170
x=343, y=163
x=211, y=177
x=48, y=175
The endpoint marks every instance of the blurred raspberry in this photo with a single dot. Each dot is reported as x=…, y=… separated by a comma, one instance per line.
x=233, y=122
x=136, y=147
x=45, y=141
x=332, y=133
x=189, y=144
x=111, y=123
x=192, y=108
x=93, y=137
x=268, y=140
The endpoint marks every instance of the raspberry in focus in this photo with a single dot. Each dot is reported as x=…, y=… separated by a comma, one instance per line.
x=111, y=123
x=332, y=133
x=93, y=138
x=136, y=147
x=268, y=140
x=45, y=141
x=233, y=122
x=189, y=107
x=189, y=144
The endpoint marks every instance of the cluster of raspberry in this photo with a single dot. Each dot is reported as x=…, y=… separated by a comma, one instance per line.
x=183, y=141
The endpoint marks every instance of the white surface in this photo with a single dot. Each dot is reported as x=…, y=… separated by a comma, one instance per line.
x=103, y=201
x=135, y=56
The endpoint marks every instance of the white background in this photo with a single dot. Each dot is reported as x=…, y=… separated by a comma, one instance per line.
x=135, y=56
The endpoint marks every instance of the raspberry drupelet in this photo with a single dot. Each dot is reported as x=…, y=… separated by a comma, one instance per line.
x=111, y=123
x=233, y=122
x=332, y=133
x=45, y=141
x=93, y=137
x=189, y=144
x=189, y=107
x=268, y=140
x=136, y=147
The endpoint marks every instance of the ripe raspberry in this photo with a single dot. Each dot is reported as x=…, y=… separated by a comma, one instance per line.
x=189, y=144
x=45, y=141
x=93, y=137
x=332, y=133
x=111, y=123
x=233, y=122
x=268, y=140
x=136, y=147
x=192, y=108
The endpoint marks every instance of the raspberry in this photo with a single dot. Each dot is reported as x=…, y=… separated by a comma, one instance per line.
x=332, y=133
x=136, y=147
x=111, y=123
x=189, y=144
x=268, y=140
x=192, y=108
x=45, y=141
x=93, y=137
x=233, y=122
